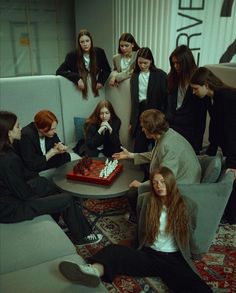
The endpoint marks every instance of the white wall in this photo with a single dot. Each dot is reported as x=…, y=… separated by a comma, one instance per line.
x=35, y=35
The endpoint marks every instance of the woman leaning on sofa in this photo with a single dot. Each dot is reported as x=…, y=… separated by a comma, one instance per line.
x=22, y=199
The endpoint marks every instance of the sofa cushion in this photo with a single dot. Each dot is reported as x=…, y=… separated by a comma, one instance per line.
x=79, y=127
x=32, y=242
x=211, y=168
x=44, y=277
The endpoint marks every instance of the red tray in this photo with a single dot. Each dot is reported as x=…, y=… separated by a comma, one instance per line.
x=92, y=175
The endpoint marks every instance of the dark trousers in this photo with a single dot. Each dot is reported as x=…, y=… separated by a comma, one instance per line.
x=230, y=210
x=170, y=267
x=48, y=200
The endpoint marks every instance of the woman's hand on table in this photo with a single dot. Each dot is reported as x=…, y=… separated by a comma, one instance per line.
x=125, y=154
x=135, y=184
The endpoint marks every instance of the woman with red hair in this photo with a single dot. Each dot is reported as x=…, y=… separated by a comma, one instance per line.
x=22, y=199
x=165, y=244
x=40, y=147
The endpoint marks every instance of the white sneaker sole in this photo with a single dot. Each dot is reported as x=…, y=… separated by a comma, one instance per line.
x=73, y=273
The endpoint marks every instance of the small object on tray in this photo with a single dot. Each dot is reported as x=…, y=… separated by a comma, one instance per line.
x=95, y=171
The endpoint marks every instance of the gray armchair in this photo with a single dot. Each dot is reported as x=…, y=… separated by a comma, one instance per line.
x=211, y=196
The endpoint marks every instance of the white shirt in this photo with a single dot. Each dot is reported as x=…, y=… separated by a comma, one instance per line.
x=180, y=96
x=164, y=242
x=143, y=85
x=124, y=63
x=42, y=145
x=86, y=61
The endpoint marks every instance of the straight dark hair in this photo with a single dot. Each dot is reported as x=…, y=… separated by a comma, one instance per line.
x=203, y=76
x=145, y=53
x=7, y=122
x=187, y=64
x=127, y=37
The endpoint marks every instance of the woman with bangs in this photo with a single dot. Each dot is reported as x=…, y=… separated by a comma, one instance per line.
x=40, y=147
x=165, y=244
x=87, y=66
x=102, y=131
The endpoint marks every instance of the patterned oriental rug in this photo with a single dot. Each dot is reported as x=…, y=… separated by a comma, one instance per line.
x=217, y=268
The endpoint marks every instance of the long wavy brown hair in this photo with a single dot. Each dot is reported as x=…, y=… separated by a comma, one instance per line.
x=92, y=65
x=187, y=63
x=94, y=118
x=177, y=213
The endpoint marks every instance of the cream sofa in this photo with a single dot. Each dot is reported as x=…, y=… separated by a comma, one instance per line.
x=30, y=253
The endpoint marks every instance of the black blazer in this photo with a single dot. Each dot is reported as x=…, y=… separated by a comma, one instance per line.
x=69, y=68
x=31, y=153
x=189, y=119
x=13, y=186
x=156, y=95
x=111, y=142
x=222, y=127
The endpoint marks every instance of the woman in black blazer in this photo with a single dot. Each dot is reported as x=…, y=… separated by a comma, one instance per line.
x=86, y=65
x=102, y=131
x=185, y=112
x=148, y=87
x=40, y=148
x=222, y=128
x=22, y=199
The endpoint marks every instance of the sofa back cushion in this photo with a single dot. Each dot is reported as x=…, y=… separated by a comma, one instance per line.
x=211, y=168
x=32, y=242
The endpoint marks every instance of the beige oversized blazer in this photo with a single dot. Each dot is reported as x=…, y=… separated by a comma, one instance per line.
x=122, y=75
x=175, y=152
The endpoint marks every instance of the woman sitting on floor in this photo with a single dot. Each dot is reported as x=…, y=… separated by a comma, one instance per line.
x=165, y=244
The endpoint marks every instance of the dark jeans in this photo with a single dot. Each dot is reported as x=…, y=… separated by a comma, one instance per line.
x=48, y=200
x=170, y=267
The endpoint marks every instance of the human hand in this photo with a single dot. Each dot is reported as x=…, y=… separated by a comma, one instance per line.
x=125, y=154
x=80, y=84
x=99, y=86
x=135, y=184
x=60, y=147
x=102, y=129
x=108, y=126
x=113, y=82
x=129, y=127
x=231, y=170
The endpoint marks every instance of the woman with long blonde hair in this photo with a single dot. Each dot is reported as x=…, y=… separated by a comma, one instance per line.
x=164, y=246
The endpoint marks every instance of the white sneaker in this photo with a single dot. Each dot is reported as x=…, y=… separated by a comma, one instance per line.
x=90, y=239
x=83, y=274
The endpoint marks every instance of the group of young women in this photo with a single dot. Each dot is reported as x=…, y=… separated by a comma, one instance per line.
x=165, y=108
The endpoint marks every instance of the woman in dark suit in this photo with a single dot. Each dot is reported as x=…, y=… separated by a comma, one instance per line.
x=222, y=128
x=102, y=131
x=148, y=87
x=186, y=114
x=22, y=199
x=40, y=147
x=86, y=65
